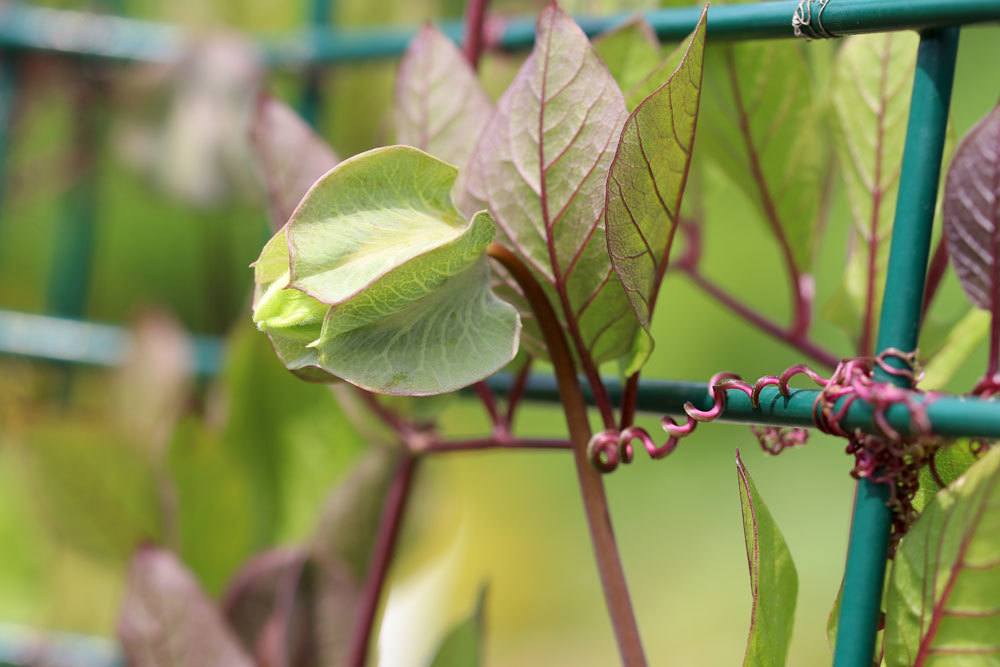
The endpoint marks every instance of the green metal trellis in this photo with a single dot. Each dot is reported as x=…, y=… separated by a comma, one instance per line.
x=93, y=37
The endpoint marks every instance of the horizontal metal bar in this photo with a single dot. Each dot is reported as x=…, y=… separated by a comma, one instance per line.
x=86, y=343
x=93, y=344
x=22, y=646
x=86, y=35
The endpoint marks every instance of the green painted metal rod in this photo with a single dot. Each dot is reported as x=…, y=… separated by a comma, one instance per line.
x=898, y=327
x=104, y=345
x=87, y=35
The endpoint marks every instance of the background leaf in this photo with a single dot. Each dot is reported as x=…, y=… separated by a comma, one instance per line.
x=962, y=340
x=167, y=621
x=763, y=126
x=950, y=462
x=971, y=215
x=630, y=50
x=540, y=168
x=647, y=178
x=871, y=83
x=440, y=106
x=290, y=155
x=463, y=645
x=942, y=602
x=773, y=580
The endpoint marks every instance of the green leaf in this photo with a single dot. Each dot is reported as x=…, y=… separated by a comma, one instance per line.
x=872, y=78
x=950, y=462
x=647, y=178
x=540, y=168
x=168, y=621
x=290, y=155
x=630, y=50
x=463, y=645
x=774, y=582
x=386, y=285
x=94, y=489
x=942, y=602
x=656, y=77
x=833, y=619
x=763, y=126
x=440, y=106
x=963, y=339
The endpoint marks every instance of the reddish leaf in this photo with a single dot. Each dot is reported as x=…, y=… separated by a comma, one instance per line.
x=290, y=155
x=168, y=621
x=971, y=213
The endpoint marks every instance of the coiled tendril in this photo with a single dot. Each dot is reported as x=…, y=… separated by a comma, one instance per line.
x=886, y=456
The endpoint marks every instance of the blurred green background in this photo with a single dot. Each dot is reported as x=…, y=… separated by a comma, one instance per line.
x=257, y=450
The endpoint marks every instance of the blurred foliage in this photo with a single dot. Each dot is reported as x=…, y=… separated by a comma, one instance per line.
x=250, y=463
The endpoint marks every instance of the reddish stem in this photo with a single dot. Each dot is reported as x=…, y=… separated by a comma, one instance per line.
x=800, y=342
x=595, y=503
x=517, y=392
x=475, y=21
x=385, y=545
x=489, y=402
x=629, y=397
x=401, y=426
x=495, y=443
x=935, y=273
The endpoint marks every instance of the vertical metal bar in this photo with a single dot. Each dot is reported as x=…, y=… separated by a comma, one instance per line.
x=69, y=276
x=8, y=91
x=899, y=325
x=311, y=105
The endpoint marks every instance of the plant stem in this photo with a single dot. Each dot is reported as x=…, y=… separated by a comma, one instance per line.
x=935, y=273
x=800, y=343
x=475, y=20
x=385, y=545
x=516, y=392
x=489, y=402
x=629, y=397
x=595, y=502
x=494, y=443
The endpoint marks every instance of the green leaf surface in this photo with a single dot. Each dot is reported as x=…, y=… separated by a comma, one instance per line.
x=763, y=125
x=630, y=50
x=962, y=340
x=774, y=582
x=94, y=488
x=385, y=285
x=540, y=168
x=950, y=462
x=289, y=154
x=463, y=645
x=871, y=82
x=647, y=178
x=168, y=621
x=440, y=106
x=943, y=598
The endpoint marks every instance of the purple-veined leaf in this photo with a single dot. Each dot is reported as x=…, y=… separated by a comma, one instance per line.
x=440, y=106
x=871, y=82
x=291, y=156
x=647, y=178
x=773, y=580
x=941, y=604
x=540, y=168
x=168, y=621
x=971, y=213
x=763, y=125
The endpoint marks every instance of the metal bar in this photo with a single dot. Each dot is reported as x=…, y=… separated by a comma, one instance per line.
x=899, y=326
x=87, y=35
x=311, y=104
x=103, y=345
